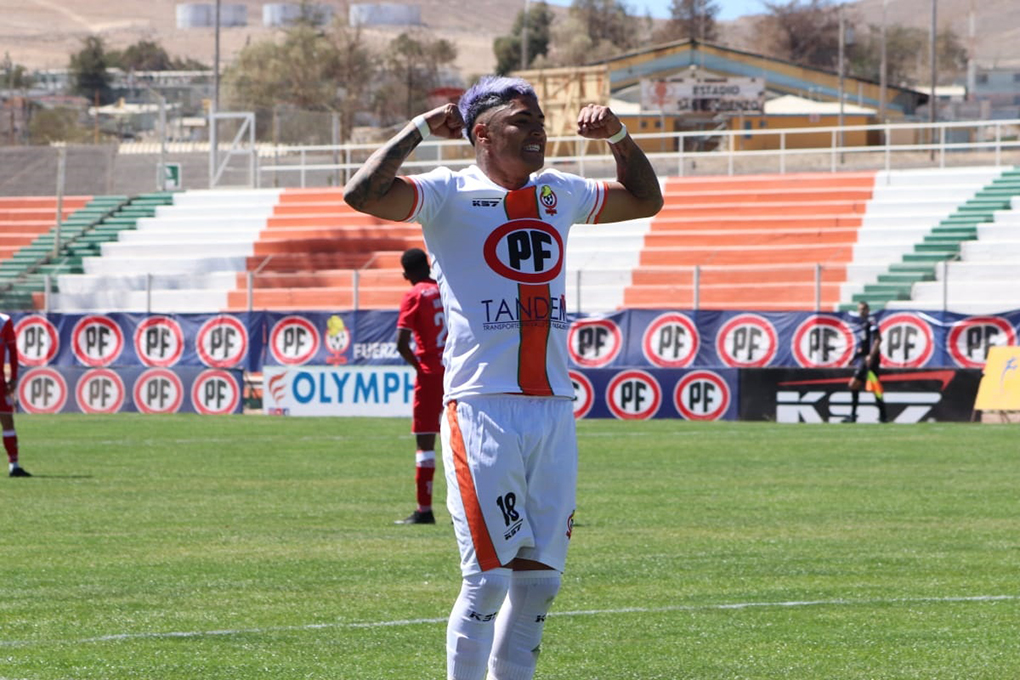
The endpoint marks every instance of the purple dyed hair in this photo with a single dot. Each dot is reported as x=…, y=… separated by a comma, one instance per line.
x=490, y=92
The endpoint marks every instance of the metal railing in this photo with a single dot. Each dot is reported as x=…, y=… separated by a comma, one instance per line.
x=988, y=142
x=819, y=287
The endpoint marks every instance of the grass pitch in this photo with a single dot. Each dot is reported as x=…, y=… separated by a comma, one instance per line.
x=252, y=547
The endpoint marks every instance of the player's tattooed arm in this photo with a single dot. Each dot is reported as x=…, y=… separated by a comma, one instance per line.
x=372, y=184
x=375, y=188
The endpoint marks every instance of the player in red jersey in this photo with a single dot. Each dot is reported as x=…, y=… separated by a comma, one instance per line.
x=9, y=354
x=421, y=315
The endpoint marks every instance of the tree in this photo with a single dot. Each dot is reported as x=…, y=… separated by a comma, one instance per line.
x=508, y=48
x=690, y=19
x=15, y=76
x=414, y=64
x=56, y=125
x=607, y=21
x=88, y=68
x=144, y=55
x=907, y=53
x=805, y=32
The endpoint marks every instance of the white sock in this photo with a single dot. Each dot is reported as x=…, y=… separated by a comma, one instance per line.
x=470, y=630
x=520, y=624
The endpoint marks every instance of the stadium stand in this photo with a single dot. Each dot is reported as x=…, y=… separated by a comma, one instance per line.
x=938, y=210
x=758, y=243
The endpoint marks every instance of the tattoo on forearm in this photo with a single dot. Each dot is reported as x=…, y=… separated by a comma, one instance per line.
x=375, y=177
x=634, y=170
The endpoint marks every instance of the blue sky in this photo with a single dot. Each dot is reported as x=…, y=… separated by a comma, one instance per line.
x=728, y=9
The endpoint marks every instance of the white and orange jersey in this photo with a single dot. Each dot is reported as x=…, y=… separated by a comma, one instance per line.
x=499, y=259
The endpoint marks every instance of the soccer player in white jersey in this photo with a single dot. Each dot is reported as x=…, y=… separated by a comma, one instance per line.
x=497, y=232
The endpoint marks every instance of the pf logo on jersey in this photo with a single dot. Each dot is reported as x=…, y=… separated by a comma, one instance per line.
x=294, y=340
x=42, y=390
x=671, y=341
x=970, y=339
x=158, y=390
x=594, y=343
x=907, y=341
x=97, y=340
x=525, y=251
x=823, y=342
x=159, y=341
x=222, y=342
x=584, y=394
x=100, y=391
x=38, y=341
x=634, y=395
x=215, y=393
x=702, y=395
x=747, y=341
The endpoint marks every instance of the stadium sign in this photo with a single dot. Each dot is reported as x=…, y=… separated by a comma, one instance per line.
x=823, y=342
x=97, y=340
x=692, y=95
x=338, y=391
x=971, y=338
x=747, y=341
x=821, y=396
x=584, y=394
x=294, y=340
x=159, y=341
x=215, y=393
x=100, y=390
x=158, y=390
x=42, y=390
x=222, y=342
x=907, y=341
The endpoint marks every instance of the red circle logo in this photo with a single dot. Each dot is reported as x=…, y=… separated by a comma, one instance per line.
x=526, y=251
x=594, y=343
x=747, y=341
x=634, y=395
x=215, y=393
x=158, y=390
x=159, y=341
x=294, y=340
x=38, y=340
x=100, y=391
x=671, y=341
x=970, y=339
x=907, y=341
x=222, y=342
x=97, y=340
x=584, y=394
x=702, y=395
x=823, y=342
x=42, y=390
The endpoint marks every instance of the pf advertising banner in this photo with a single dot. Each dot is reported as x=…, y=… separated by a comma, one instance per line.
x=332, y=339
x=226, y=341
x=640, y=394
x=822, y=396
x=338, y=390
x=62, y=389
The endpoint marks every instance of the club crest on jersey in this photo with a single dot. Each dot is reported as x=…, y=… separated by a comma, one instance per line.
x=526, y=251
x=548, y=199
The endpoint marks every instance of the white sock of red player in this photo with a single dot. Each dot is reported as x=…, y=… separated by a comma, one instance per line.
x=11, y=444
x=424, y=471
x=520, y=624
x=470, y=629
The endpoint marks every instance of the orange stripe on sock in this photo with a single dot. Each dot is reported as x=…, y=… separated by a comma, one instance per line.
x=484, y=549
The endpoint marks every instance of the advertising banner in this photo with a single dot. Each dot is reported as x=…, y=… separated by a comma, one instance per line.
x=184, y=389
x=1000, y=386
x=822, y=396
x=640, y=394
x=338, y=390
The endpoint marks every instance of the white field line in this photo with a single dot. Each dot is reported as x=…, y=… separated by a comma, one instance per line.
x=119, y=637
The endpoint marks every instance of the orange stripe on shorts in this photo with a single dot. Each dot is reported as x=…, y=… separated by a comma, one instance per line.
x=484, y=549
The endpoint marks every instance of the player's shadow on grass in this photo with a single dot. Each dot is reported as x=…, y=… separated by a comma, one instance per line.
x=38, y=476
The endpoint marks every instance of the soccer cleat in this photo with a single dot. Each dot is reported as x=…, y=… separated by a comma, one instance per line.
x=19, y=472
x=418, y=517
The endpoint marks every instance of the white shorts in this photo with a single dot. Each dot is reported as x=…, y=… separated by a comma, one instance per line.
x=511, y=474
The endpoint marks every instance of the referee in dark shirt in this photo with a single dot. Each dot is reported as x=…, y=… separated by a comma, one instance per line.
x=867, y=358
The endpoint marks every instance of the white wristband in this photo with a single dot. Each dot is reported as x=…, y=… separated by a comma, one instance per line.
x=423, y=127
x=618, y=137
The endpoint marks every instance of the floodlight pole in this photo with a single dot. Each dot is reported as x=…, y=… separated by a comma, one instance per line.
x=883, y=68
x=842, y=69
x=933, y=104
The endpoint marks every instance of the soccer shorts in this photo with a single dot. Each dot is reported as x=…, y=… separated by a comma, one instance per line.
x=861, y=371
x=428, y=403
x=511, y=473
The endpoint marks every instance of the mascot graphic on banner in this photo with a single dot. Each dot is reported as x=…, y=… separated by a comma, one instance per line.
x=338, y=339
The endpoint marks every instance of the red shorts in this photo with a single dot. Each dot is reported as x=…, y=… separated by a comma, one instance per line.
x=428, y=403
